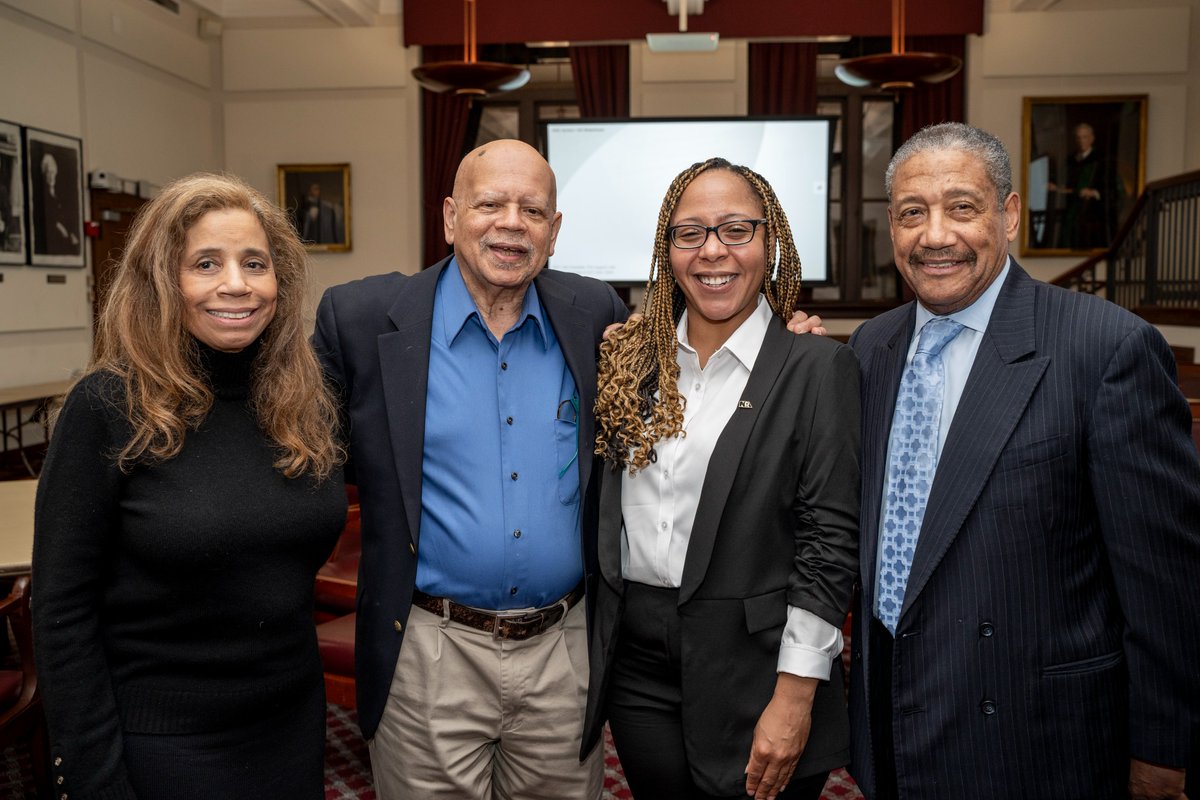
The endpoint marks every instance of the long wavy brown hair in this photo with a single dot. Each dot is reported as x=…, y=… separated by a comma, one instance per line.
x=142, y=339
x=638, y=402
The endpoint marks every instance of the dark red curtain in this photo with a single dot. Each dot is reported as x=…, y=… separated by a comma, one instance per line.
x=443, y=133
x=783, y=79
x=601, y=73
x=929, y=104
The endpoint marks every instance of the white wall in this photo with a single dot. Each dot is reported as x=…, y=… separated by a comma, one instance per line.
x=333, y=95
x=134, y=82
x=689, y=84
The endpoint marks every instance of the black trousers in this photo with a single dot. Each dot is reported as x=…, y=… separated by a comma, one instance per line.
x=880, y=706
x=645, y=703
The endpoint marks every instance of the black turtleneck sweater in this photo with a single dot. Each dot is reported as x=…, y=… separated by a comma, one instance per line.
x=176, y=598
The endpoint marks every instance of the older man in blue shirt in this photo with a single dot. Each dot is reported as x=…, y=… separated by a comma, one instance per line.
x=468, y=390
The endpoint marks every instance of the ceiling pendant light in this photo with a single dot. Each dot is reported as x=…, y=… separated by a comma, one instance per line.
x=470, y=77
x=898, y=69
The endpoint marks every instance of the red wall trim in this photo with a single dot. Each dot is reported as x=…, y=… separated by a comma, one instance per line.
x=503, y=21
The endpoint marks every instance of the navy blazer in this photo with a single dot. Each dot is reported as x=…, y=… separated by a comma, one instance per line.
x=1049, y=631
x=776, y=525
x=372, y=338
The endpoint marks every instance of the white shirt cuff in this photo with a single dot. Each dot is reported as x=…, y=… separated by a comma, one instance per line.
x=809, y=646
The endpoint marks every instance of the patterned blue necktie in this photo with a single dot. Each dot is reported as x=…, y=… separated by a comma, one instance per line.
x=911, y=464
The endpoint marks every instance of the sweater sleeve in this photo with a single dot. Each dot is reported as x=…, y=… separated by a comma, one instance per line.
x=75, y=526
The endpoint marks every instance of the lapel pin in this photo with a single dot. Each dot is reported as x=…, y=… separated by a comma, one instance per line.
x=745, y=404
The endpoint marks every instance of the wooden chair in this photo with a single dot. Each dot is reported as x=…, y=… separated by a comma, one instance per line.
x=21, y=719
x=1189, y=380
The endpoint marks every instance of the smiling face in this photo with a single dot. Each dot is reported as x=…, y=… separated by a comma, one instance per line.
x=227, y=280
x=720, y=282
x=502, y=219
x=949, y=233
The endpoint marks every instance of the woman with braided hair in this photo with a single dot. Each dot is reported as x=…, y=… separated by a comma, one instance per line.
x=728, y=511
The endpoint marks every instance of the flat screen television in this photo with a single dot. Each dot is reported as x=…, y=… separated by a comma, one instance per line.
x=612, y=176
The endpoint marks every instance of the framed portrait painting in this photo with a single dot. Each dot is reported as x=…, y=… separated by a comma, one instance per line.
x=54, y=170
x=1083, y=165
x=12, y=195
x=317, y=200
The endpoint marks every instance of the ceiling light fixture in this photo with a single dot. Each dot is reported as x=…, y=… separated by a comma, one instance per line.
x=470, y=77
x=683, y=42
x=898, y=69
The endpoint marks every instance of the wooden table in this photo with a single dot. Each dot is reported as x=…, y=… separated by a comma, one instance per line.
x=27, y=404
x=16, y=526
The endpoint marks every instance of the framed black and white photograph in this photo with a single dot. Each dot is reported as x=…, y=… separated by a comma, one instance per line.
x=1083, y=167
x=54, y=166
x=317, y=200
x=12, y=195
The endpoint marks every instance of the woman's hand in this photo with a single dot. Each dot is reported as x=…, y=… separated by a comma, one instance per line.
x=780, y=736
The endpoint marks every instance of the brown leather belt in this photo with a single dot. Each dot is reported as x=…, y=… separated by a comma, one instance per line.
x=515, y=625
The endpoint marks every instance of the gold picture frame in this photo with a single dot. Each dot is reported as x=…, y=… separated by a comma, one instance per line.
x=316, y=198
x=1083, y=165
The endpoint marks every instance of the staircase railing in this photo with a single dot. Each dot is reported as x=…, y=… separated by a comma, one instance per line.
x=1153, y=266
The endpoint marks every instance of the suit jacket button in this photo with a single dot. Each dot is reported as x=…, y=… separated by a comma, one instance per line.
x=987, y=629
x=396, y=624
x=988, y=707
x=58, y=761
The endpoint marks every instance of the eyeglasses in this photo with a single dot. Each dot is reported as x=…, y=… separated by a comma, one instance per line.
x=731, y=234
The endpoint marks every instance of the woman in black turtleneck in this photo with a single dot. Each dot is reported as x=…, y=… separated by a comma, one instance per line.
x=191, y=491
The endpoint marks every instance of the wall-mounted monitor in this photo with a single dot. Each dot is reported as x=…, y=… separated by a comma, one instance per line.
x=612, y=176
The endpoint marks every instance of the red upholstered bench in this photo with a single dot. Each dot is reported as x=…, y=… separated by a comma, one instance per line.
x=337, y=580
x=336, y=640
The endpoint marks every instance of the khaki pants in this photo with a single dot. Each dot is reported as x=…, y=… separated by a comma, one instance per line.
x=469, y=716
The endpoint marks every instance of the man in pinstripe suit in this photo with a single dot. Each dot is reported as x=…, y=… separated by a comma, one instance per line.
x=1045, y=640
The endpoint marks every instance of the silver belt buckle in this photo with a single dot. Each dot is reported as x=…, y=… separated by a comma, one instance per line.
x=518, y=618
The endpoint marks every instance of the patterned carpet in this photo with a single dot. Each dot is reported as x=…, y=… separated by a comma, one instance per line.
x=348, y=773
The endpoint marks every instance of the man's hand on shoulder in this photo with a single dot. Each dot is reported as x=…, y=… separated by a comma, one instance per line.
x=803, y=323
x=1153, y=782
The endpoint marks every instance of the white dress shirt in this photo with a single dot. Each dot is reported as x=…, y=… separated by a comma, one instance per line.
x=659, y=503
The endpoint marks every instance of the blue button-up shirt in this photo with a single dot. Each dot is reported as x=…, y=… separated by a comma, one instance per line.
x=500, y=489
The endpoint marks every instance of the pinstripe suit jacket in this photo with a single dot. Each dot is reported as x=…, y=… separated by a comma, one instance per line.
x=1049, y=630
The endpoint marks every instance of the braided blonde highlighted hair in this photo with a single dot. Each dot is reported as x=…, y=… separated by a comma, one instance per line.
x=638, y=402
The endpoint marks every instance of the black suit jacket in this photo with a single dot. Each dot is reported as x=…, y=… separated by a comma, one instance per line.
x=1049, y=629
x=777, y=524
x=372, y=337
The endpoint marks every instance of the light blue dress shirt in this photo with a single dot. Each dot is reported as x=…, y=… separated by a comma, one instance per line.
x=500, y=487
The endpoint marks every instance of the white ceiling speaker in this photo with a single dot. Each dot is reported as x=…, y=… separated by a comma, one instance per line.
x=683, y=42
